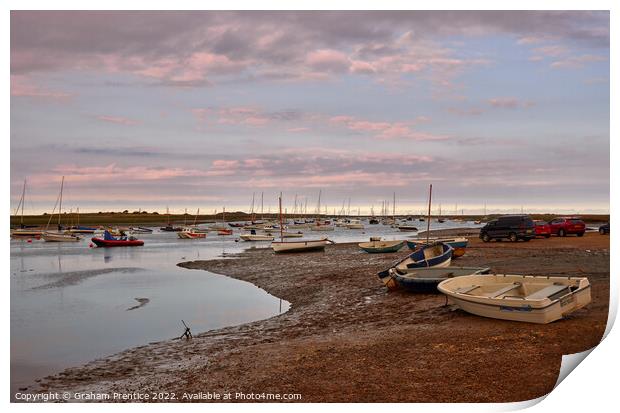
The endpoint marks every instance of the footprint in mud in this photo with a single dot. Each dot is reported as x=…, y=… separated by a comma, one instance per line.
x=141, y=303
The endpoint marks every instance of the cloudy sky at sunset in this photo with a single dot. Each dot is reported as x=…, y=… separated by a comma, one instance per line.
x=201, y=109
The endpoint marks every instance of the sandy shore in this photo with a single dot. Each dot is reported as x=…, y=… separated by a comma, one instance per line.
x=347, y=339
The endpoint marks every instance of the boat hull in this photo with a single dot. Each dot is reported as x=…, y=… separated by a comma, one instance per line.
x=298, y=246
x=377, y=247
x=322, y=228
x=100, y=242
x=453, y=242
x=436, y=255
x=252, y=237
x=49, y=237
x=533, y=308
x=425, y=280
x=22, y=233
x=191, y=235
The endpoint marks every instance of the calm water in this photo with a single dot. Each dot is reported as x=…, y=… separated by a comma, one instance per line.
x=71, y=304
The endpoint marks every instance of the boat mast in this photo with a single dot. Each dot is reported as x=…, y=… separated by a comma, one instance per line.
x=262, y=216
x=280, y=204
x=196, y=217
x=62, y=184
x=21, y=204
x=252, y=209
x=394, y=209
x=428, y=224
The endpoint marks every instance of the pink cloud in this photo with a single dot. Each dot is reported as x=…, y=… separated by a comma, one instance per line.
x=509, y=103
x=328, y=60
x=224, y=164
x=466, y=112
x=115, y=173
x=551, y=51
x=300, y=129
x=576, y=62
x=361, y=67
x=386, y=130
x=23, y=86
x=119, y=120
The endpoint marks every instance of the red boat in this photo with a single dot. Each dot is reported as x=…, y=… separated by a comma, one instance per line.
x=109, y=241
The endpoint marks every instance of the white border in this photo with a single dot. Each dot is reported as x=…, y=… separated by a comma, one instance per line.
x=591, y=387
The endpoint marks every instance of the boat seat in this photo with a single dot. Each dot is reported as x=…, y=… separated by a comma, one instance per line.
x=466, y=290
x=547, y=292
x=504, y=290
x=432, y=252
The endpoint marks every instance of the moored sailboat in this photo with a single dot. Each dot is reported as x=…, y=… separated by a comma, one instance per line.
x=296, y=246
x=59, y=236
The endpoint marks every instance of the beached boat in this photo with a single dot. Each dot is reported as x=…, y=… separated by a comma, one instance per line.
x=534, y=299
x=292, y=234
x=373, y=221
x=407, y=228
x=374, y=247
x=299, y=246
x=456, y=242
x=425, y=280
x=296, y=246
x=436, y=255
x=477, y=222
x=109, y=241
x=224, y=231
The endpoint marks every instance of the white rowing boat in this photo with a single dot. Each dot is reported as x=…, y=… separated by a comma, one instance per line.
x=299, y=246
x=256, y=237
x=59, y=237
x=533, y=299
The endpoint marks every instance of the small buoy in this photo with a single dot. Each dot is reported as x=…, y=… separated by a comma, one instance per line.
x=29, y=240
x=90, y=245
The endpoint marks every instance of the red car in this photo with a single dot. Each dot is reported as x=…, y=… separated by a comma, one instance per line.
x=542, y=229
x=567, y=225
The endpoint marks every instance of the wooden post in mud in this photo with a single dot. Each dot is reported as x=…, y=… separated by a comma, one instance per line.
x=188, y=333
x=428, y=223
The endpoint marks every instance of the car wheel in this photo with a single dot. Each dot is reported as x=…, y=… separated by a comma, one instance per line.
x=513, y=237
x=601, y=231
x=547, y=235
x=561, y=233
x=580, y=234
x=526, y=239
x=486, y=238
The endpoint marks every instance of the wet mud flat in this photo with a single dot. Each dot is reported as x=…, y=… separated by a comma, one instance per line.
x=347, y=339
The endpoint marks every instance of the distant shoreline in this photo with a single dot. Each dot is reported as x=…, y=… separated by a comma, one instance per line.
x=155, y=219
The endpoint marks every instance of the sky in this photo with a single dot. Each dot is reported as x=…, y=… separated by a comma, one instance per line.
x=155, y=109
